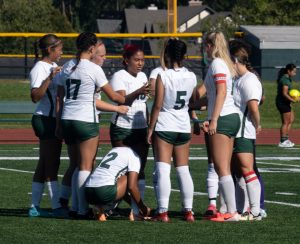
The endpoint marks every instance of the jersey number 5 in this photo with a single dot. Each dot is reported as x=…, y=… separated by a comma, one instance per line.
x=179, y=100
x=110, y=157
x=71, y=82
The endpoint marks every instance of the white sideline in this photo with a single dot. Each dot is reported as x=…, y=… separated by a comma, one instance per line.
x=174, y=190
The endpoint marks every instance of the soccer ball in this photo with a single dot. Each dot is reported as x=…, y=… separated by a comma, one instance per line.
x=294, y=93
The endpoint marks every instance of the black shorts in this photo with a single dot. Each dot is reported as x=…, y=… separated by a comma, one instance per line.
x=284, y=107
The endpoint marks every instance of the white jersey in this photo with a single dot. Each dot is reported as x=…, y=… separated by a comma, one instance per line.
x=38, y=74
x=179, y=85
x=154, y=73
x=117, y=162
x=218, y=72
x=136, y=117
x=80, y=87
x=247, y=88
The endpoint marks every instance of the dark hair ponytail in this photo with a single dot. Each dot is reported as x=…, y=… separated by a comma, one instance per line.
x=83, y=42
x=285, y=70
x=174, y=52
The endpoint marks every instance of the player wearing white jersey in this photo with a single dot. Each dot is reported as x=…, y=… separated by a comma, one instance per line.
x=43, y=90
x=79, y=118
x=130, y=129
x=98, y=58
x=116, y=174
x=170, y=129
x=223, y=118
x=247, y=95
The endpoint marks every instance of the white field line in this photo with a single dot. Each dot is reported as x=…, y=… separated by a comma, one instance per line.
x=286, y=193
x=174, y=190
x=279, y=164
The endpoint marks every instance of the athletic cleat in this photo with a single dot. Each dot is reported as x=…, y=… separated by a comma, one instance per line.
x=286, y=144
x=189, y=216
x=89, y=215
x=60, y=213
x=37, y=212
x=73, y=214
x=64, y=203
x=226, y=217
x=250, y=217
x=161, y=217
x=210, y=212
x=263, y=213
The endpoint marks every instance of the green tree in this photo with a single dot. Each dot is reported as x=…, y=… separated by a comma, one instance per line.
x=24, y=16
x=220, y=5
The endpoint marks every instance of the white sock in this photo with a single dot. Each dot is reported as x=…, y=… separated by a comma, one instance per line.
x=53, y=188
x=228, y=189
x=74, y=190
x=65, y=192
x=141, y=185
x=154, y=182
x=212, y=183
x=241, y=195
x=163, y=185
x=186, y=187
x=37, y=190
x=83, y=206
x=253, y=188
x=223, y=206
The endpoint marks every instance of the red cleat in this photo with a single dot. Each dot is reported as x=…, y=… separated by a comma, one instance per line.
x=211, y=212
x=161, y=217
x=189, y=216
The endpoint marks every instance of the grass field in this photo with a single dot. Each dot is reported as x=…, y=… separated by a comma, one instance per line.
x=280, y=170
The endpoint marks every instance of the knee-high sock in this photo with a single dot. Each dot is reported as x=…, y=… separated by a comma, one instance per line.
x=74, y=190
x=253, y=188
x=36, y=193
x=186, y=187
x=54, y=193
x=141, y=185
x=223, y=206
x=82, y=203
x=241, y=194
x=262, y=192
x=154, y=182
x=65, y=192
x=228, y=189
x=163, y=185
x=212, y=183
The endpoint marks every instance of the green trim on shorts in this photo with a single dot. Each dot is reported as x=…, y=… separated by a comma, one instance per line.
x=229, y=125
x=101, y=195
x=243, y=145
x=128, y=136
x=77, y=131
x=174, y=138
x=43, y=126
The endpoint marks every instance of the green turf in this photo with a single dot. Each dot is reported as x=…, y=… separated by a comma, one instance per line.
x=281, y=226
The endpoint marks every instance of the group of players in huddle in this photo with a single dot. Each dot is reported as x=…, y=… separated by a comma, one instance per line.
x=68, y=99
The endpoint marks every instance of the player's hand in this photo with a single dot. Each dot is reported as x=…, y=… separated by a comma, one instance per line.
x=205, y=126
x=146, y=89
x=149, y=136
x=212, y=128
x=258, y=129
x=55, y=71
x=122, y=109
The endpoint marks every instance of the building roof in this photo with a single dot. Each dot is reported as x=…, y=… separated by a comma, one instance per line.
x=272, y=37
x=109, y=25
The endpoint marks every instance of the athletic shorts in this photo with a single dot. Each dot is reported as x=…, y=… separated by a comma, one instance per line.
x=44, y=127
x=101, y=195
x=229, y=125
x=284, y=107
x=174, y=138
x=77, y=131
x=243, y=145
x=128, y=136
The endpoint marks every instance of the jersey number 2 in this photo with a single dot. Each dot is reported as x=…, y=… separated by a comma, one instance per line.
x=179, y=100
x=110, y=157
x=70, y=82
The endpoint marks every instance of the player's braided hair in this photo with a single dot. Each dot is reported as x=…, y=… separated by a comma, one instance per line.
x=47, y=41
x=83, y=42
x=174, y=52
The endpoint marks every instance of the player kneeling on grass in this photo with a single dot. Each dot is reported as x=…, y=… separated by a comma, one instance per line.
x=113, y=179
